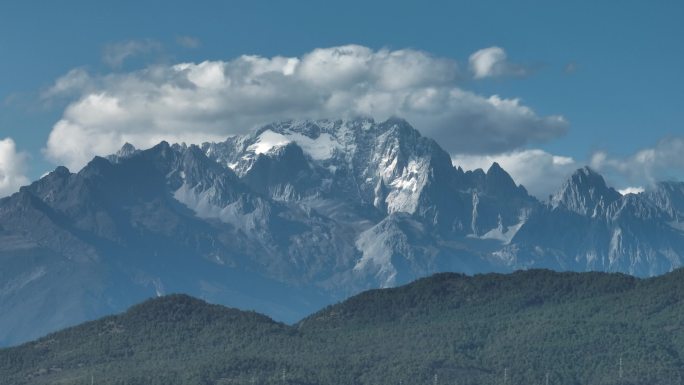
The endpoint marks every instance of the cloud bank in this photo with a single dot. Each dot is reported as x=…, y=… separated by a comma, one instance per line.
x=207, y=101
x=115, y=54
x=12, y=167
x=662, y=161
x=540, y=172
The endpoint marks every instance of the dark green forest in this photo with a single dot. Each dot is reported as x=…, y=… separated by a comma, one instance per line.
x=529, y=327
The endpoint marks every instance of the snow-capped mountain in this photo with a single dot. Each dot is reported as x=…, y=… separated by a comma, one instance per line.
x=299, y=214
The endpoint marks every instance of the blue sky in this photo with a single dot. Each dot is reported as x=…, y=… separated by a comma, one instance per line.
x=611, y=69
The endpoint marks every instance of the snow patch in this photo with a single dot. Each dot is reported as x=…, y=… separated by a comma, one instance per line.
x=631, y=190
x=406, y=189
x=266, y=141
x=321, y=148
x=506, y=236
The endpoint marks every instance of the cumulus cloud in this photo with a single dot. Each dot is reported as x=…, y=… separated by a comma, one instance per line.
x=540, y=172
x=194, y=102
x=115, y=54
x=662, y=161
x=493, y=62
x=12, y=167
x=543, y=173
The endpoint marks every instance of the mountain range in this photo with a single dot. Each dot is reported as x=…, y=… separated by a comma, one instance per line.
x=527, y=327
x=300, y=214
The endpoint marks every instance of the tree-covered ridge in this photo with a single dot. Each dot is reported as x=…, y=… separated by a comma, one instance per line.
x=575, y=328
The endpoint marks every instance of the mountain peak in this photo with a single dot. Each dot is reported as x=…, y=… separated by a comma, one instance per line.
x=61, y=171
x=586, y=176
x=588, y=172
x=395, y=120
x=495, y=167
x=162, y=150
x=495, y=171
x=585, y=192
x=126, y=151
x=163, y=145
x=499, y=181
x=169, y=304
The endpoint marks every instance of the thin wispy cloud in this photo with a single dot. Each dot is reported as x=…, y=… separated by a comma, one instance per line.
x=72, y=83
x=570, y=68
x=188, y=42
x=115, y=54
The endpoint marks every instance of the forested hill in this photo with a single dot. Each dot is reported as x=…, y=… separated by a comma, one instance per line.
x=519, y=328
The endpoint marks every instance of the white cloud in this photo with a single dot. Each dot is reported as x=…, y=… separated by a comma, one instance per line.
x=194, y=102
x=493, y=62
x=543, y=173
x=646, y=166
x=540, y=172
x=12, y=167
x=115, y=54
